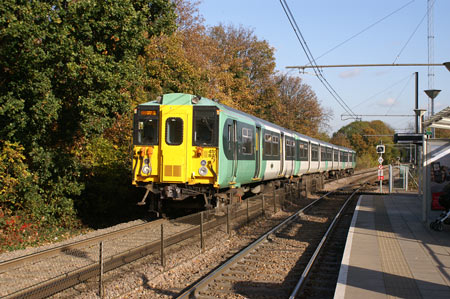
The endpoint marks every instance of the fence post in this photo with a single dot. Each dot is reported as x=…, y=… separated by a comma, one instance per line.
x=247, y=211
x=228, y=221
x=202, y=243
x=274, y=200
x=163, y=260
x=100, y=278
x=391, y=178
x=263, y=212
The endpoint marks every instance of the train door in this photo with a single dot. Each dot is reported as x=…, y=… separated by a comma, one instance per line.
x=174, y=146
x=282, y=159
x=234, y=145
x=257, y=151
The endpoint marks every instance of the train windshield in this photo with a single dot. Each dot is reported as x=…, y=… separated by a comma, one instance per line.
x=205, y=126
x=146, y=125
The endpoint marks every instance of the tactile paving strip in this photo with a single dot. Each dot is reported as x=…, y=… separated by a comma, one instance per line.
x=398, y=278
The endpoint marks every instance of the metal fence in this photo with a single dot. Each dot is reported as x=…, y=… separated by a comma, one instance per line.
x=70, y=267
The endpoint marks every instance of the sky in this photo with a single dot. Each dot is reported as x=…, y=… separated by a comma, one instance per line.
x=327, y=23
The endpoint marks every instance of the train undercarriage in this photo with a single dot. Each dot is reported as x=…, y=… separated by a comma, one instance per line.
x=161, y=198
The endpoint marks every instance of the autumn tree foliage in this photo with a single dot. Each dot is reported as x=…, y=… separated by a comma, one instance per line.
x=363, y=137
x=67, y=72
x=232, y=65
x=299, y=108
x=71, y=73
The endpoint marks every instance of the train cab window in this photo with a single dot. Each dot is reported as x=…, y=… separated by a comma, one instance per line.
x=205, y=126
x=147, y=132
x=314, y=152
x=303, y=151
x=174, y=131
x=247, y=141
x=336, y=155
x=146, y=126
x=267, y=145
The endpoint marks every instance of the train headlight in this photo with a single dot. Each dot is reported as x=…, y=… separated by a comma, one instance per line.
x=203, y=171
x=203, y=162
x=146, y=170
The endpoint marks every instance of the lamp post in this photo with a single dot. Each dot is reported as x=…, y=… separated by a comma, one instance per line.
x=432, y=93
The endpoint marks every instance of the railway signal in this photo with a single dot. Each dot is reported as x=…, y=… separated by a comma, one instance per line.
x=380, y=150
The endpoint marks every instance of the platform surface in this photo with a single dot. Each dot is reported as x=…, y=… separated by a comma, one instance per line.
x=391, y=253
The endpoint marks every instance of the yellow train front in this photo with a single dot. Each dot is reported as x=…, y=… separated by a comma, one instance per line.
x=175, y=151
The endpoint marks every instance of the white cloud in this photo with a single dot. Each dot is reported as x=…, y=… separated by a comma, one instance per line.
x=350, y=74
x=387, y=102
x=439, y=105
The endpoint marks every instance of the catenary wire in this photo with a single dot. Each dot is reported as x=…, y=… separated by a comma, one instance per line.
x=380, y=92
x=364, y=30
x=414, y=32
x=311, y=59
x=399, y=95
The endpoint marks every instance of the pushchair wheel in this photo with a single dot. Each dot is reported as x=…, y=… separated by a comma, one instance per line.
x=436, y=225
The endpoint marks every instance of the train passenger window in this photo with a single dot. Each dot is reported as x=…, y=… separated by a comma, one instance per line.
x=267, y=145
x=290, y=148
x=247, y=141
x=342, y=156
x=329, y=153
x=323, y=153
x=303, y=149
x=174, y=131
x=336, y=155
x=314, y=152
x=275, y=146
x=205, y=126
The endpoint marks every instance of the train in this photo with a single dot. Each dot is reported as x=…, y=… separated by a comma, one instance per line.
x=191, y=151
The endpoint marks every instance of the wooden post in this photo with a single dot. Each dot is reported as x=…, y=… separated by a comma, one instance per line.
x=100, y=278
x=228, y=221
x=274, y=201
x=202, y=241
x=163, y=260
x=263, y=212
x=248, y=219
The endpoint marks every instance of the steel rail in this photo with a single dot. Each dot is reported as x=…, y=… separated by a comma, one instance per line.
x=200, y=285
x=63, y=248
x=319, y=247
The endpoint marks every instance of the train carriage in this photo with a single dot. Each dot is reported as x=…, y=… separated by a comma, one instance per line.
x=193, y=150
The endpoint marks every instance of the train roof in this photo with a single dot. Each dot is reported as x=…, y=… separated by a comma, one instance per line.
x=193, y=100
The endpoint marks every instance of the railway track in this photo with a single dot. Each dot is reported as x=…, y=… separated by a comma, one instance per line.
x=44, y=273
x=48, y=272
x=275, y=265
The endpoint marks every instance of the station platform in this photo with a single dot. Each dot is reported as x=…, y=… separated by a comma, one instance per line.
x=391, y=253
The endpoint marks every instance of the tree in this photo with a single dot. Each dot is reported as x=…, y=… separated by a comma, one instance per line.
x=363, y=137
x=68, y=69
x=299, y=108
